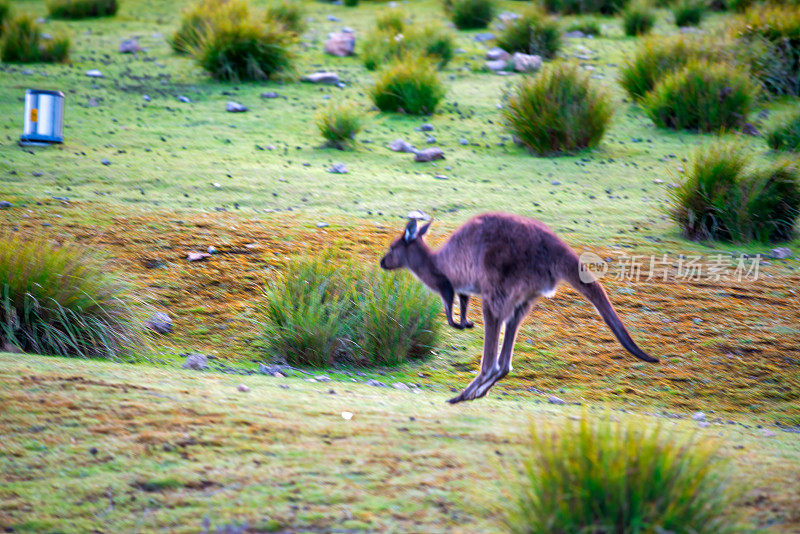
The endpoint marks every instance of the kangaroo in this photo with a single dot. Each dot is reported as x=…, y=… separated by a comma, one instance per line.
x=509, y=261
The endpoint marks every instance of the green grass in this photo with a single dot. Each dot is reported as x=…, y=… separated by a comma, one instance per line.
x=82, y=9
x=181, y=445
x=786, y=135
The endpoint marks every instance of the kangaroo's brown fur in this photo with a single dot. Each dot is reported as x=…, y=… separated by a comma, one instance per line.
x=509, y=261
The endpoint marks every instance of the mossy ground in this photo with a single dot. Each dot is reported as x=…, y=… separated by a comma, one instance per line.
x=181, y=177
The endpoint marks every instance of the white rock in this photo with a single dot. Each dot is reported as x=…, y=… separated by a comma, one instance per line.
x=329, y=78
x=527, y=62
x=340, y=44
x=699, y=416
x=495, y=54
x=235, y=107
x=94, y=73
x=552, y=399
x=243, y=388
x=347, y=415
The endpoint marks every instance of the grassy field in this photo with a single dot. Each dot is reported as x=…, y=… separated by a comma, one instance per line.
x=146, y=182
x=95, y=446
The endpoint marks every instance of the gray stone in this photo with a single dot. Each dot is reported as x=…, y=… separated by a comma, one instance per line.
x=552, y=399
x=211, y=249
x=5, y=204
x=399, y=385
x=94, y=73
x=427, y=127
x=507, y=16
x=329, y=78
x=146, y=98
x=338, y=168
x=780, y=253
x=494, y=54
x=699, y=416
x=184, y=99
x=322, y=225
x=93, y=103
x=322, y=378
x=160, y=322
x=399, y=145
x=575, y=35
x=376, y=383
x=196, y=361
x=496, y=65
x=129, y=46
x=105, y=162
x=526, y=62
x=234, y=107
x=197, y=256
x=483, y=37
x=270, y=94
x=340, y=44
x=243, y=388
x=429, y=154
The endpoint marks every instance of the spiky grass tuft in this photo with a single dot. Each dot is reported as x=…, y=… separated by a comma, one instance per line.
x=786, y=136
x=534, y=32
x=82, y=9
x=409, y=85
x=339, y=124
x=22, y=42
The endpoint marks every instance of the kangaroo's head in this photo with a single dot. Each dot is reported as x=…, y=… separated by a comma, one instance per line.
x=407, y=248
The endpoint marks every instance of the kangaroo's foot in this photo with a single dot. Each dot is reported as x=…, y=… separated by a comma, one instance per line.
x=471, y=391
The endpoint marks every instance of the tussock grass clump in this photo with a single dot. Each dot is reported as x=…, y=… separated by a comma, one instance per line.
x=81, y=9
x=5, y=13
x=325, y=309
x=771, y=36
x=724, y=198
x=201, y=19
x=557, y=111
x=245, y=50
x=607, y=477
x=470, y=14
x=22, y=42
x=288, y=14
x=586, y=26
x=658, y=57
x=786, y=136
x=391, y=20
x=638, y=19
x=408, y=85
x=578, y=7
x=391, y=39
x=534, y=32
x=689, y=12
x=702, y=96
x=339, y=124
x=62, y=300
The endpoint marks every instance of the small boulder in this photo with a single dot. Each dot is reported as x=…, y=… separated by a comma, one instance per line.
x=429, y=154
x=5, y=204
x=94, y=73
x=496, y=65
x=196, y=361
x=160, y=322
x=243, y=388
x=552, y=399
x=483, y=37
x=699, y=416
x=527, y=62
x=494, y=54
x=270, y=94
x=399, y=385
x=198, y=256
x=338, y=168
x=328, y=78
x=129, y=46
x=340, y=44
x=575, y=35
x=400, y=145
x=235, y=107
x=184, y=99
x=780, y=253
x=427, y=127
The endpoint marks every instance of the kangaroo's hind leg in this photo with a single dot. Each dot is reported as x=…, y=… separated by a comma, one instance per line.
x=503, y=364
x=491, y=337
x=463, y=305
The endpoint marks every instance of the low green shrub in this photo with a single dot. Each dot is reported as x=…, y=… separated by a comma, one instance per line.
x=638, y=19
x=786, y=136
x=557, y=111
x=599, y=477
x=771, y=39
x=391, y=20
x=5, y=14
x=702, y=96
x=409, y=85
x=578, y=7
x=245, y=50
x=288, y=14
x=534, y=32
x=339, y=124
x=658, y=57
x=201, y=18
x=689, y=12
x=586, y=26
x=63, y=300
x=22, y=42
x=471, y=14
x=385, y=45
x=724, y=198
x=351, y=3
x=324, y=309
x=81, y=9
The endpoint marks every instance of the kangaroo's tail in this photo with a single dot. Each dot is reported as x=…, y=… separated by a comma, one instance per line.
x=594, y=293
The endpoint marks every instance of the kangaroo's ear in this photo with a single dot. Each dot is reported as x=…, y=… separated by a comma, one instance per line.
x=411, y=231
x=422, y=231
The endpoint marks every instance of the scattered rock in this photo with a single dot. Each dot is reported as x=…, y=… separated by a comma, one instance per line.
x=527, y=62
x=5, y=204
x=495, y=54
x=211, y=249
x=440, y=177
x=699, y=416
x=184, y=99
x=270, y=94
x=347, y=415
x=160, y=322
x=400, y=145
x=483, y=37
x=427, y=127
x=767, y=433
x=146, y=98
x=780, y=253
x=376, y=383
x=338, y=168
x=322, y=225
x=463, y=141
x=94, y=73
x=400, y=385
x=196, y=361
x=703, y=424
x=552, y=399
x=496, y=65
x=334, y=18
x=429, y=154
x=750, y=129
x=243, y=388
x=93, y=103
x=322, y=378
x=198, y=256
x=235, y=107
x=329, y=78
x=340, y=44
x=105, y=161
x=575, y=35
x=129, y=46
x=271, y=369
